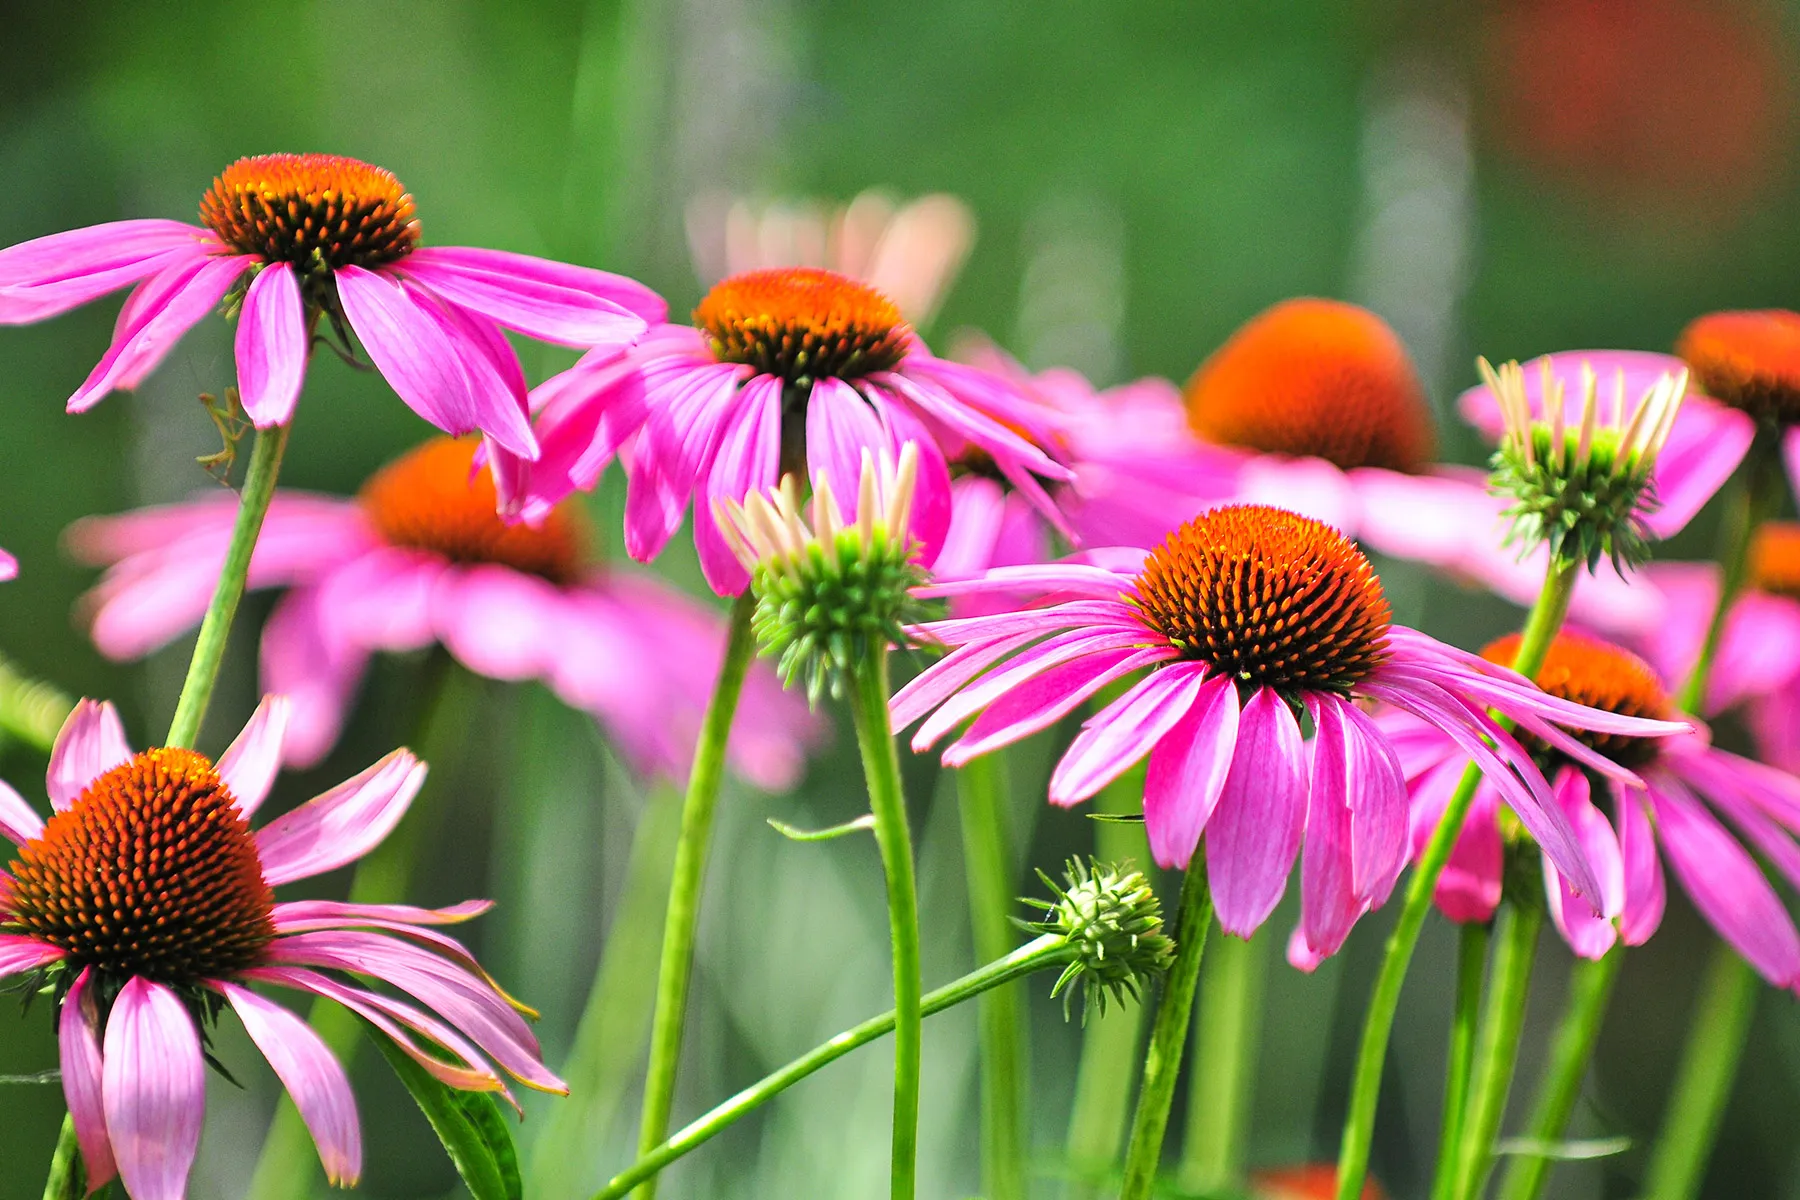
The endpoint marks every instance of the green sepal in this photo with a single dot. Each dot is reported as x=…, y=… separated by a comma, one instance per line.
x=470, y=1125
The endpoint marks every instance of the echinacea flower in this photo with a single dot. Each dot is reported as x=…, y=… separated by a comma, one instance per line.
x=794, y=371
x=146, y=902
x=1242, y=620
x=419, y=557
x=1668, y=792
x=285, y=239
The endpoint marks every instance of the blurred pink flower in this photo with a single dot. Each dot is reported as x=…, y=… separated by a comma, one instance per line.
x=420, y=557
x=162, y=840
x=1217, y=711
x=784, y=367
x=9, y=567
x=290, y=237
x=1670, y=792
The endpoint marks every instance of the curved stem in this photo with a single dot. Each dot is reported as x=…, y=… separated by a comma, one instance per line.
x=1590, y=988
x=1168, y=1034
x=881, y=768
x=215, y=629
x=1471, y=959
x=683, y=913
x=1497, y=1048
x=68, y=1176
x=1048, y=950
x=982, y=794
x=1709, y=1064
x=1227, y=1030
x=1109, y=1039
x=1546, y=618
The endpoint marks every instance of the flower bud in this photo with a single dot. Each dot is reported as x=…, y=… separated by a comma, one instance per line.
x=1112, y=920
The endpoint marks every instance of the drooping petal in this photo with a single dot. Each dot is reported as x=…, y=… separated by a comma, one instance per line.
x=748, y=460
x=1124, y=731
x=90, y=743
x=341, y=825
x=317, y=671
x=840, y=427
x=1329, y=905
x=1588, y=933
x=249, y=764
x=312, y=1076
x=1378, y=816
x=944, y=678
x=271, y=346
x=496, y=378
x=1042, y=700
x=19, y=822
x=298, y=916
x=182, y=295
x=931, y=512
x=1705, y=445
x=682, y=425
x=1645, y=892
x=50, y=275
x=550, y=301
x=78, y=1041
x=499, y=622
x=154, y=1085
x=1469, y=887
x=20, y=953
x=1255, y=830
x=1187, y=773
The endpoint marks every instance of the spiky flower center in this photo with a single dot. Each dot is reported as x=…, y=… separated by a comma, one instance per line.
x=1272, y=598
x=316, y=211
x=802, y=324
x=152, y=871
x=1586, y=670
x=1775, y=559
x=1315, y=378
x=433, y=498
x=1749, y=360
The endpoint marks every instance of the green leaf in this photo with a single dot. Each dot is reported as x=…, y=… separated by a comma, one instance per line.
x=1117, y=818
x=51, y=1076
x=1573, y=1151
x=794, y=833
x=469, y=1124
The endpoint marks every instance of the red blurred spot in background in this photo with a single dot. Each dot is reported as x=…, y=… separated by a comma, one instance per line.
x=1315, y=1182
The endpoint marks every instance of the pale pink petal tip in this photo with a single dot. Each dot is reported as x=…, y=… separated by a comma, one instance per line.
x=90, y=743
x=312, y=1076
x=153, y=1079
x=341, y=825
x=250, y=763
x=82, y=1076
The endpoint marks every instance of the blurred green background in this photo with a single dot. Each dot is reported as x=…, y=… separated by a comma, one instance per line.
x=1501, y=178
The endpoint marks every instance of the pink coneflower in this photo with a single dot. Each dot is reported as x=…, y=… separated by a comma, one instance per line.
x=418, y=558
x=1244, y=619
x=797, y=370
x=146, y=901
x=287, y=238
x=1669, y=791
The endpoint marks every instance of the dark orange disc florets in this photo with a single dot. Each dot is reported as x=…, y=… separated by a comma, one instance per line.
x=152, y=871
x=312, y=210
x=802, y=323
x=1315, y=378
x=1775, y=558
x=1275, y=599
x=1749, y=360
x=432, y=498
x=1586, y=670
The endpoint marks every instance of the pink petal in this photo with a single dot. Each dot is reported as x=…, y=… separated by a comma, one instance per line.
x=1039, y=702
x=748, y=460
x=312, y=1076
x=1469, y=887
x=341, y=825
x=384, y=599
x=1706, y=444
x=499, y=622
x=183, y=294
x=1124, y=731
x=298, y=916
x=1644, y=889
x=944, y=678
x=19, y=822
x=977, y=506
x=1255, y=830
x=1051, y=652
x=317, y=671
x=931, y=495
x=90, y=743
x=82, y=1073
x=585, y=417
x=496, y=380
x=550, y=301
x=1187, y=773
x=271, y=346
x=1074, y=580
x=682, y=426
x=249, y=764
x=1589, y=934
x=154, y=1081
x=20, y=953
x=50, y=275
x=1329, y=905
x=840, y=426
x=9, y=567
x=1378, y=807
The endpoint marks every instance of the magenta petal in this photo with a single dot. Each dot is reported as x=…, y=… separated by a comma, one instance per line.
x=183, y=294
x=1329, y=905
x=1042, y=700
x=1124, y=731
x=50, y=275
x=1255, y=830
x=931, y=495
x=9, y=567
x=249, y=764
x=1588, y=934
x=496, y=380
x=271, y=346
x=999, y=683
x=748, y=460
x=20, y=953
x=1378, y=809
x=19, y=822
x=499, y=622
x=1469, y=888
x=1705, y=445
x=840, y=427
x=79, y=1042
x=1187, y=773
x=312, y=1076
x=551, y=301
x=1645, y=892
x=316, y=671
x=90, y=743
x=942, y=679
x=341, y=825
x=977, y=506
x=154, y=1083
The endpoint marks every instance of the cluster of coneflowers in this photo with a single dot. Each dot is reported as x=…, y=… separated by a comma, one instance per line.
x=1181, y=572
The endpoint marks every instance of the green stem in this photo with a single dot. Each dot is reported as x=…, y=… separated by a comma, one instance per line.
x=1516, y=932
x=881, y=768
x=1049, y=950
x=1754, y=496
x=1702, y=1088
x=609, y=1041
x=683, y=914
x=68, y=1175
x=1109, y=1040
x=1590, y=989
x=1546, y=618
x=1168, y=1034
x=982, y=787
x=215, y=630
x=1228, y=1035
x=1471, y=958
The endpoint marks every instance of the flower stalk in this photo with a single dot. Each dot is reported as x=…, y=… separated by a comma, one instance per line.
x=1227, y=1030
x=1471, y=960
